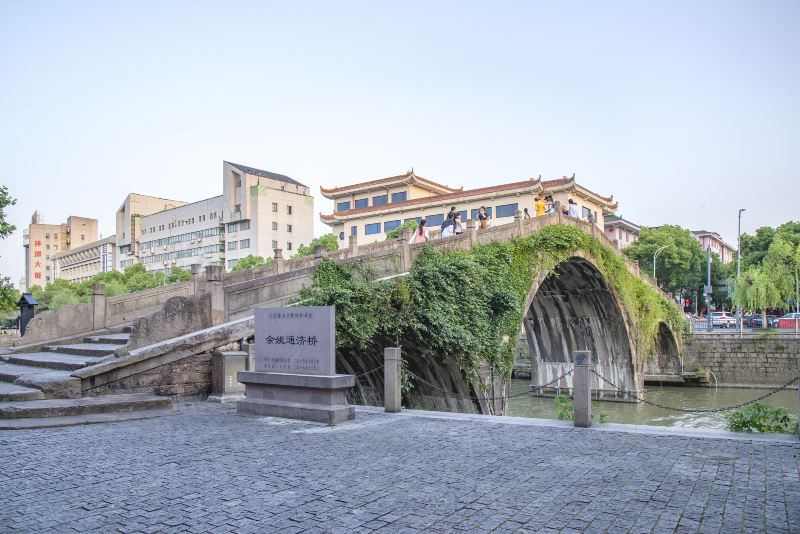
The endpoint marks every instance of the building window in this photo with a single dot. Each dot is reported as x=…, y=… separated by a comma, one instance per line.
x=370, y=229
x=506, y=210
x=354, y=230
x=274, y=207
x=244, y=243
x=275, y=226
x=237, y=208
x=399, y=197
x=83, y=237
x=390, y=225
x=379, y=201
x=435, y=220
x=244, y=225
x=341, y=236
x=585, y=212
x=233, y=245
x=289, y=228
x=231, y=227
x=288, y=245
x=232, y=263
x=474, y=213
x=274, y=244
x=463, y=214
x=47, y=236
x=342, y=206
x=362, y=203
x=415, y=219
x=288, y=210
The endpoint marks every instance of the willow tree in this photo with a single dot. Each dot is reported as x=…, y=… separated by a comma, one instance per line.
x=757, y=290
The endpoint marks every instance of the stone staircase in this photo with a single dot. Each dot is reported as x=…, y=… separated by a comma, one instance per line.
x=35, y=385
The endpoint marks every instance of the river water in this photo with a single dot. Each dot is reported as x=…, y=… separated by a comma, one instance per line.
x=643, y=414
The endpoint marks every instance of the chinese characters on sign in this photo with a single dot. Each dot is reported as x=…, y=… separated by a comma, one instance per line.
x=295, y=340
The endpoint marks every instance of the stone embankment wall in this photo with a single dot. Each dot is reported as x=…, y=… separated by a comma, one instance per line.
x=746, y=362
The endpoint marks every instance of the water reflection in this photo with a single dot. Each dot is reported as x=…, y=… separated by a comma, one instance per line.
x=643, y=414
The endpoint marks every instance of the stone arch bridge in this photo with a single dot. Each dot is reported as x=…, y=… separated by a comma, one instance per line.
x=572, y=309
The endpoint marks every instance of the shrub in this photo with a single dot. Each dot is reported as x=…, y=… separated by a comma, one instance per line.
x=760, y=418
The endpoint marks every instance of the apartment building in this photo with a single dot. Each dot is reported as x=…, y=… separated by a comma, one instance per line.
x=82, y=263
x=726, y=252
x=43, y=241
x=621, y=231
x=370, y=209
x=258, y=211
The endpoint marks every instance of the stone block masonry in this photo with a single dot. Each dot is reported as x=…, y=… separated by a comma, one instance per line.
x=747, y=362
x=188, y=377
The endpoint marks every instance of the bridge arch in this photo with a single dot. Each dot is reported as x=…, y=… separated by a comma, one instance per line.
x=575, y=308
x=666, y=359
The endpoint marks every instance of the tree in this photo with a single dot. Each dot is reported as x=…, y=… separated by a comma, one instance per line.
x=756, y=291
x=782, y=262
x=9, y=296
x=328, y=240
x=408, y=225
x=754, y=248
x=6, y=229
x=680, y=267
x=248, y=262
x=176, y=274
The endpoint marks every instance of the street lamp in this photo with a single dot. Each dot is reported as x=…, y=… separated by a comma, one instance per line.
x=739, y=271
x=654, y=261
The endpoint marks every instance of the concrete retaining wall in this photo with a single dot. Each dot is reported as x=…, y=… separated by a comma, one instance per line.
x=745, y=362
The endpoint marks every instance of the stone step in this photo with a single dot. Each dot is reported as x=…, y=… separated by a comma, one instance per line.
x=53, y=360
x=53, y=383
x=110, y=339
x=10, y=372
x=15, y=393
x=85, y=349
x=26, y=423
x=83, y=406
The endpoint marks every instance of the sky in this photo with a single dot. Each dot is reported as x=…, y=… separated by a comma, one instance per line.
x=685, y=111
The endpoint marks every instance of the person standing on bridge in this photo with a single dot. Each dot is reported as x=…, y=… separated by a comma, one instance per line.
x=483, y=217
x=421, y=234
x=539, y=205
x=448, y=226
x=457, y=228
x=572, y=210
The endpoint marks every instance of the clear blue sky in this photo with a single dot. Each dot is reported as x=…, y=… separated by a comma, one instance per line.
x=684, y=111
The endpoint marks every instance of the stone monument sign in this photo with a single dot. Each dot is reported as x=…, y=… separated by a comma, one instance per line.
x=295, y=367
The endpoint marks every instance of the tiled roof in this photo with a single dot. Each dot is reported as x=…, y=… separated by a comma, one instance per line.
x=389, y=179
x=265, y=174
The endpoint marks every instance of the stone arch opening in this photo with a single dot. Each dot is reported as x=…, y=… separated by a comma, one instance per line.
x=667, y=358
x=575, y=309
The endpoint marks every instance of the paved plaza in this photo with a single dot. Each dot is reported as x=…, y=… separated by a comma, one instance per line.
x=207, y=469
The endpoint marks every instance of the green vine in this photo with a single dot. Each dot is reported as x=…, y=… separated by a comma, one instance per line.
x=467, y=305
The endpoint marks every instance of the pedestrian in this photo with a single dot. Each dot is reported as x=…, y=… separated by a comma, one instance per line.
x=549, y=205
x=527, y=215
x=483, y=217
x=448, y=226
x=572, y=209
x=539, y=205
x=458, y=228
x=421, y=234
x=452, y=212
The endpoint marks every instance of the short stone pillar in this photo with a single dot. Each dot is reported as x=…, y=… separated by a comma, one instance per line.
x=225, y=369
x=98, y=306
x=278, y=260
x=557, y=207
x=582, y=389
x=392, y=394
x=405, y=252
x=320, y=253
x=518, y=221
x=353, y=243
x=472, y=230
x=197, y=276
x=214, y=279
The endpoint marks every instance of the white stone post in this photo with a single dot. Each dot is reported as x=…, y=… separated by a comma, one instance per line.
x=391, y=379
x=353, y=242
x=582, y=389
x=196, y=276
x=98, y=306
x=214, y=279
x=278, y=260
x=405, y=252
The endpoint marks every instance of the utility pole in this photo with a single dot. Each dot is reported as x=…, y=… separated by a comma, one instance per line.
x=739, y=271
x=654, y=262
x=708, y=293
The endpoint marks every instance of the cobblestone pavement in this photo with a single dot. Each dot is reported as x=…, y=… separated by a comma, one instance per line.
x=207, y=469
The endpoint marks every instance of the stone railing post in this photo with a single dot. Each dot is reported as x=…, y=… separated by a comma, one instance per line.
x=404, y=250
x=582, y=389
x=472, y=230
x=278, y=260
x=353, y=242
x=214, y=279
x=98, y=306
x=391, y=379
x=518, y=220
x=196, y=276
x=320, y=252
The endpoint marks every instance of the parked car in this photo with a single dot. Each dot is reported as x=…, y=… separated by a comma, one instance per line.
x=788, y=320
x=747, y=320
x=772, y=322
x=723, y=319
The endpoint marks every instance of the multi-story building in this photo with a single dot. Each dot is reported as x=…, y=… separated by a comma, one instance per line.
x=370, y=209
x=82, y=263
x=258, y=212
x=43, y=241
x=621, y=231
x=707, y=239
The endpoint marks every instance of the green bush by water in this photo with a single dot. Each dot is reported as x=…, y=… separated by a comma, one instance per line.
x=761, y=418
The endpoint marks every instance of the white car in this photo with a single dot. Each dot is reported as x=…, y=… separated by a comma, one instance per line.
x=723, y=319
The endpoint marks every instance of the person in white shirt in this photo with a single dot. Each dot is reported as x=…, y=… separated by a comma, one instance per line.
x=572, y=210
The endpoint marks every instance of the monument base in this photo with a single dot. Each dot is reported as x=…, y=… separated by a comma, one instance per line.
x=319, y=398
